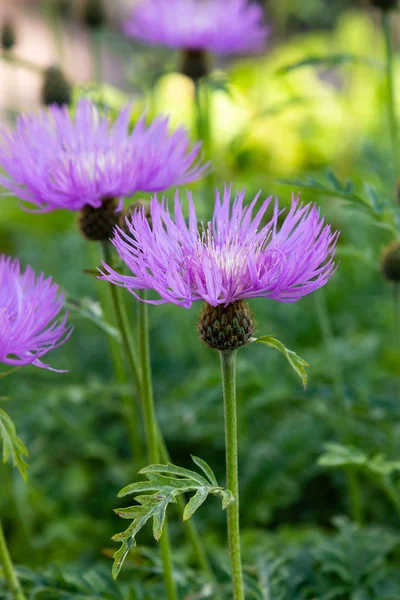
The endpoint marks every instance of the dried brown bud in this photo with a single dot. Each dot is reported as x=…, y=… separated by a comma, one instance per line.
x=97, y=224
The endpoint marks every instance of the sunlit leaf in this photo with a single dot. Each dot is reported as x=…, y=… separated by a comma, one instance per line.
x=331, y=61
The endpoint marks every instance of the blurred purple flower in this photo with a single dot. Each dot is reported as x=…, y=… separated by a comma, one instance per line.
x=231, y=258
x=29, y=307
x=219, y=26
x=52, y=161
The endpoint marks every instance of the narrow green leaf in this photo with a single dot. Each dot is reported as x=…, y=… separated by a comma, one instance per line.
x=194, y=503
x=12, y=446
x=167, y=482
x=174, y=470
x=227, y=498
x=296, y=362
x=9, y=372
x=120, y=556
x=159, y=517
x=86, y=308
x=206, y=469
x=337, y=455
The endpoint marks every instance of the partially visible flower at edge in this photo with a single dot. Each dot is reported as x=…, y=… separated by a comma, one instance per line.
x=232, y=258
x=218, y=26
x=55, y=162
x=30, y=307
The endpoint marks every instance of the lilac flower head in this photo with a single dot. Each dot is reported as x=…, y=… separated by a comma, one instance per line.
x=53, y=161
x=219, y=26
x=231, y=258
x=29, y=309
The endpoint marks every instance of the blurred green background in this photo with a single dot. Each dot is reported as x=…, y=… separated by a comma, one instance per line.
x=310, y=115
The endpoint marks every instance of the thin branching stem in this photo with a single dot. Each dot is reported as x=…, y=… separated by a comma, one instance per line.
x=9, y=572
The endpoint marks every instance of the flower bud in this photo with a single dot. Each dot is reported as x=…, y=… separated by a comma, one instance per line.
x=390, y=264
x=385, y=4
x=8, y=37
x=128, y=212
x=56, y=88
x=94, y=14
x=97, y=224
x=226, y=328
x=194, y=64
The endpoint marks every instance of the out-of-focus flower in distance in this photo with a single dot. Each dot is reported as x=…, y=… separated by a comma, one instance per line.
x=55, y=162
x=217, y=26
x=30, y=323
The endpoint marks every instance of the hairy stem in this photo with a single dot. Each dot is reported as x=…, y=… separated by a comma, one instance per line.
x=228, y=368
x=355, y=498
x=9, y=569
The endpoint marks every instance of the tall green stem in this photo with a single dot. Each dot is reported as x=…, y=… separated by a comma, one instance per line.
x=203, y=130
x=356, y=506
x=228, y=367
x=396, y=311
x=391, y=492
x=391, y=103
x=9, y=569
x=152, y=434
x=128, y=401
x=123, y=325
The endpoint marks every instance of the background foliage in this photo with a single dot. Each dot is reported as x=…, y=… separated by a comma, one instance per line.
x=315, y=101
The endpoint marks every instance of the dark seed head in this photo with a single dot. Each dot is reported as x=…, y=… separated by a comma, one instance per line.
x=391, y=263
x=94, y=14
x=8, y=37
x=194, y=64
x=226, y=328
x=128, y=212
x=97, y=224
x=56, y=88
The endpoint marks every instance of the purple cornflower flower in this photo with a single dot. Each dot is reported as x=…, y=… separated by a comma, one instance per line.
x=29, y=308
x=218, y=26
x=229, y=259
x=53, y=162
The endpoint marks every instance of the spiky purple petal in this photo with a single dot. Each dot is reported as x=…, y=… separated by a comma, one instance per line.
x=30, y=321
x=219, y=26
x=235, y=256
x=52, y=161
